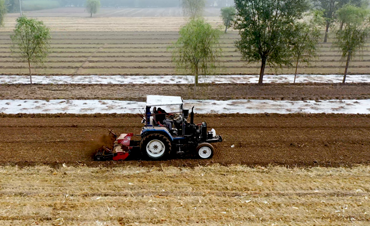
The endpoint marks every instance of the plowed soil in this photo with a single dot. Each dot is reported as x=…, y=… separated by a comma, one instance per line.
x=292, y=140
x=212, y=91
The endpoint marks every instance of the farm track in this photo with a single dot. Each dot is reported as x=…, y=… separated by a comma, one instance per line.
x=293, y=140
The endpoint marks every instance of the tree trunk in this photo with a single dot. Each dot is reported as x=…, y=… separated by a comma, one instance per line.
x=227, y=24
x=196, y=75
x=341, y=25
x=29, y=70
x=296, y=69
x=90, y=15
x=262, y=71
x=347, y=65
x=326, y=31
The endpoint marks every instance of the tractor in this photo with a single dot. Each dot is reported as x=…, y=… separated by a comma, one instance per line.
x=166, y=132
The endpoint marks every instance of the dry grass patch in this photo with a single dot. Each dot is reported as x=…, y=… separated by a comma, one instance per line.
x=213, y=195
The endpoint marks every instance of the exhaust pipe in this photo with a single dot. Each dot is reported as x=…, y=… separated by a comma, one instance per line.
x=192, y=116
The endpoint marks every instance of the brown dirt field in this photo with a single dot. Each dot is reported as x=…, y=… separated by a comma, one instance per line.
x=292, y=140
x=213, y=91
x=128, y=52
x=115, y=12
x=111, y=23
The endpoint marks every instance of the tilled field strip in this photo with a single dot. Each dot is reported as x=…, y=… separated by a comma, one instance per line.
x=117, y=12
x=294, y=140
x=110, y=24
x=147, y=53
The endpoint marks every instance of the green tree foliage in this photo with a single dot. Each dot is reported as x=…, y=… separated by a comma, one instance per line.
x=305, y=38
x=193, y=8
x=228, y=15
x=352, y=37
x=265, y=27
x=330, y=8
x=92, y=6
x=2, y=12
x=351, y=13
x=30, y=41
x=197, y=50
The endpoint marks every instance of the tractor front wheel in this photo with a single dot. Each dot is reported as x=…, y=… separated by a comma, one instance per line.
x=205, y=151
x=155, y=146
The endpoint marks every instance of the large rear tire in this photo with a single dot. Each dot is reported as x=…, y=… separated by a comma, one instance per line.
x=205, y=151
x=155, y=146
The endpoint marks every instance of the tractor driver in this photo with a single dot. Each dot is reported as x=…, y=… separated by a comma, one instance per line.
x=157, y=117
x=160, y=117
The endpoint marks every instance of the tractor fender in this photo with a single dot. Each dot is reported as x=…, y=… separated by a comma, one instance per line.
x=160, y=130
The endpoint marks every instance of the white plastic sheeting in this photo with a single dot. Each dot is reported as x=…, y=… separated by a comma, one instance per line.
x=201, y=106
x=179, y=79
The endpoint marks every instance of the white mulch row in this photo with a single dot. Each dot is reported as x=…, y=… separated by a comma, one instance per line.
x=201, y=106
x=178, y=79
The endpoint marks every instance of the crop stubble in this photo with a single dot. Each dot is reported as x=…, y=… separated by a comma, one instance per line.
x=213, y=195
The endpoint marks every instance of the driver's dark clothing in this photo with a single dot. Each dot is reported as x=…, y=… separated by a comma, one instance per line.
x=160, y=115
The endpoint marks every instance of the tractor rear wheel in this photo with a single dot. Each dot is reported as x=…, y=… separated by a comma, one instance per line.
x=155, y=146
x=205, y=150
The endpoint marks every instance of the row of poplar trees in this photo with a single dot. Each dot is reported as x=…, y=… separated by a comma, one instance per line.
x=273, y=32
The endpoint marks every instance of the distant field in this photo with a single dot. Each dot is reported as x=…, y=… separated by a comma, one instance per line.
x=136, y=41
x=115, y=12
x=146, y=53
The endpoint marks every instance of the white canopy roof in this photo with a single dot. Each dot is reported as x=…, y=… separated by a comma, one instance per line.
x=154, y=100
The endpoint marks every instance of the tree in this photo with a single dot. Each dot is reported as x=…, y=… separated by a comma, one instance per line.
x=305, y=38
x=330, y=8
x=2, y=12
x=197, y=50
x=353, y=36
x=30, y=41
x=193, y=8
x=92, y=6
x=228, y=14
x=265, y=27
x=350, y=13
